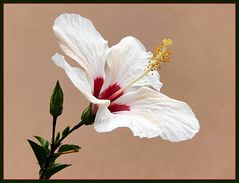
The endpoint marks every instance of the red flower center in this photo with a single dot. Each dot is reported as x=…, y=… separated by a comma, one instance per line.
x=113, y=107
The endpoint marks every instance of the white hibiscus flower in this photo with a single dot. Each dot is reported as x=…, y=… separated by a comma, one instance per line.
x=122, y=82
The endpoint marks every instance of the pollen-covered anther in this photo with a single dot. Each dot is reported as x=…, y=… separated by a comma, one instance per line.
x=167, y=42
x=160, y=55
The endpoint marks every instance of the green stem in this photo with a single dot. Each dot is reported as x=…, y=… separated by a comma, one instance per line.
x=73, y=129
x=54, y=146
x=53, y=132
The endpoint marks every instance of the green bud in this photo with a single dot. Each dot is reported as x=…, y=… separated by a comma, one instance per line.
x=56, y=103
x=87, y=117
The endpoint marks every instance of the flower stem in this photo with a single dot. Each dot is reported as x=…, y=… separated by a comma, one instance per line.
x=53, y=132
x=54, y=146
x=71, y=130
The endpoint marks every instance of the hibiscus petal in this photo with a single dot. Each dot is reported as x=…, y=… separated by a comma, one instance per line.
x=152, y=80
x=126, y=61
x=78, y=78
x=82, y=42
x=106, y=121
x=172, y=120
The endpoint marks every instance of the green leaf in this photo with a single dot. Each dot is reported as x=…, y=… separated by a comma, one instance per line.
x=53, y=158
x=66, y=131
x=68, y=148
x=39, y=152
x=57, y=140
x=55, y=168
x=43, y=142
x=58, y=136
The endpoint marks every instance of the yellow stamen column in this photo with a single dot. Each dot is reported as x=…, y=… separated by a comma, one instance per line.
x=160, y=55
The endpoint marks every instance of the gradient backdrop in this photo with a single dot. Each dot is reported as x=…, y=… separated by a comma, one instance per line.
x=201, y=73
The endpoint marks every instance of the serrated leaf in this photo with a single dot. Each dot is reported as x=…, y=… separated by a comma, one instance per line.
x=68, y=148
x=39, y=152
x=66, y=131
x=58, y=136
x=45, y=143
x=55, y=168
x=46, y=146
x=53, y=158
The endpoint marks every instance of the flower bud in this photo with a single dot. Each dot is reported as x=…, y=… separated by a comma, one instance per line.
x=56, y=102
x=87, y=117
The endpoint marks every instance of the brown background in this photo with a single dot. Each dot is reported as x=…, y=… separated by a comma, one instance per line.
x=201, y=73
